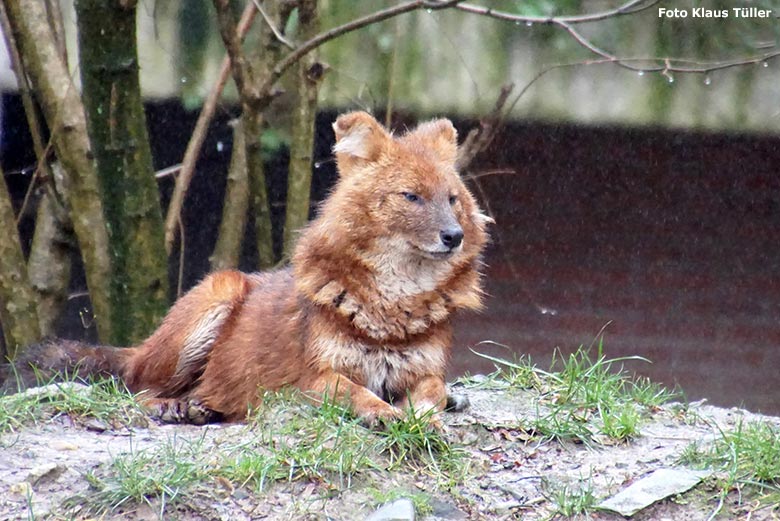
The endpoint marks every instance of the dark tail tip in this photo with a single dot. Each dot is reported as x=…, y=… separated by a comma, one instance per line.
x=57, y=359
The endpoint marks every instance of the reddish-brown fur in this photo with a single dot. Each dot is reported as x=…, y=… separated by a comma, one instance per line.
x=363, y=314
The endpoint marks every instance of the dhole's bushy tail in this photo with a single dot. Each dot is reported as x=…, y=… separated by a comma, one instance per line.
x=48, y=360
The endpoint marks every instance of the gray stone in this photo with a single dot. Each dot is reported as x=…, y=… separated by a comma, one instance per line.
x=399, y=510
x=657, y=486
x=443, y=509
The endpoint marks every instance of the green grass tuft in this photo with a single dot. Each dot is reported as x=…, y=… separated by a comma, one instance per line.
x=571, y=499
x=107, y=401
x=414, y=443
x=140, y=476
x=583, y=397
x=747, y=459
x=751, y=452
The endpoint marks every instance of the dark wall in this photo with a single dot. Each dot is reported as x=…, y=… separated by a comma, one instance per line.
x=670, y=237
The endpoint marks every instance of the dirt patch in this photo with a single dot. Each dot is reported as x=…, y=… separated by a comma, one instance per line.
x=53, y=469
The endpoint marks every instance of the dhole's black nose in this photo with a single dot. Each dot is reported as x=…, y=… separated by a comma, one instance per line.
x=452, y=237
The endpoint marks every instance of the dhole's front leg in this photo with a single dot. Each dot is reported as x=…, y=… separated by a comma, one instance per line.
x=428, y=393
x=365, y=404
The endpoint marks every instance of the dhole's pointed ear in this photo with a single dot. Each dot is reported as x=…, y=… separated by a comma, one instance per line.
x=359, y=137
x=442, y=136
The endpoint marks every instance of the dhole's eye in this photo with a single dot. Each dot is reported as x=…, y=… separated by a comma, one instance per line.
x=412, y=198
x=453, y=199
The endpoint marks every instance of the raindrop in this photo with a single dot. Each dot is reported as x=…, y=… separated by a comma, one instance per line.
x=641, y=73
x=184, y=79
x=671, y=79
x=765, y=64
x=320, y=164
x=529, y=23
x=429, y=11
x=707, y=80
x=220, y=146
x=517, y=22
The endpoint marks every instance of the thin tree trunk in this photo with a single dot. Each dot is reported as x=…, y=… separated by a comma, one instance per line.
x=227, y=251
x=309, y=75
x=50, y=263
x=117, y=127
x=64, y=114
x=252, y=121
x=18, y=308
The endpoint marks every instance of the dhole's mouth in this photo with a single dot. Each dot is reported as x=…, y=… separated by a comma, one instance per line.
x=436, y=254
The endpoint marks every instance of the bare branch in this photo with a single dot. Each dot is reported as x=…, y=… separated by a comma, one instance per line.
x=694, y=66
x=566, y=22
x=631, y=7
x=358, y=23
x=586, y=43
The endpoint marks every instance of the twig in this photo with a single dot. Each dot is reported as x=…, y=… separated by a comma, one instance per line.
x=168, y=171
x=488, y=173
x=480, y=138
x=41, y=166
x=78, y=294
x=585, y=42
x=279, y=36
x=199, y=136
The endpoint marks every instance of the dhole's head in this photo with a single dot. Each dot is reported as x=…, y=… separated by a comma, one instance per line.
x=404, y=191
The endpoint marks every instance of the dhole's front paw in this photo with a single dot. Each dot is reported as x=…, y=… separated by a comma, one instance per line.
x=377, y=416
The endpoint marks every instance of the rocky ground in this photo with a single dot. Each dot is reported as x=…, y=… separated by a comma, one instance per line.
x=52, y=468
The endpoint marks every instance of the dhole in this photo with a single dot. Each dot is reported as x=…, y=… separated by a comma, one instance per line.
x=363, y=314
